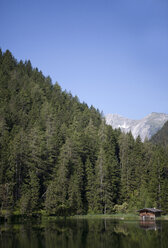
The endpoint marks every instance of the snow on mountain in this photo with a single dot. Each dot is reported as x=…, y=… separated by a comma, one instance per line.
x=145, y=127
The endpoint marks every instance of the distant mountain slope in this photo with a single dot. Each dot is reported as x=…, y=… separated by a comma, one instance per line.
x=146, y=127
x=161, y=137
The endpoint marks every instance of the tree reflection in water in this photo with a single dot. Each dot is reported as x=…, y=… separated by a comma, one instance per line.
x=84, y=233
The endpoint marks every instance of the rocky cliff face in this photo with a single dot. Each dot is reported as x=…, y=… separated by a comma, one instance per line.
x=145, y=127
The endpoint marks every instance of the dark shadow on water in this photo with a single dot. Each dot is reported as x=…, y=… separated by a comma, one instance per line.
x=82, y=233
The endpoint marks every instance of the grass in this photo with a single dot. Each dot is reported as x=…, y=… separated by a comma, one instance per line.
x=45, y=216
x=119, y=216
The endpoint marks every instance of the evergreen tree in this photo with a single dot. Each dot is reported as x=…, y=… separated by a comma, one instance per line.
x=107, y=171
x=90, y=186
x=112, y=172
x=126, y=143
x=29, y=200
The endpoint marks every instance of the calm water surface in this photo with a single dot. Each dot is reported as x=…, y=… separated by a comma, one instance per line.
x=91, y=233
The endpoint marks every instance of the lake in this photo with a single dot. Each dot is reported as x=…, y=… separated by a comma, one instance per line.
x=85, y=233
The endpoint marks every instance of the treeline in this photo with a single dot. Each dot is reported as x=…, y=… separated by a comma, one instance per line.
x=57, y=154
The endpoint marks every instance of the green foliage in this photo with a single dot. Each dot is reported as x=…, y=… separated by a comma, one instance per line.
x=90, y=186
x=59, y=155
x=121, y=208
x=29, y=201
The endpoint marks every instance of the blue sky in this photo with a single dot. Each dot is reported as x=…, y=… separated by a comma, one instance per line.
x=112, y=54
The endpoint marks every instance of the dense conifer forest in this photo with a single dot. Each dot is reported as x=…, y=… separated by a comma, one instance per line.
x=58, y=155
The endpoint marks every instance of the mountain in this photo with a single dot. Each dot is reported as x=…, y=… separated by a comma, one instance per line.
x=161, y=137
x=146, y=127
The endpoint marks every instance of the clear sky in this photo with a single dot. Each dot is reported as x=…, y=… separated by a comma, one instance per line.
x=112, y=54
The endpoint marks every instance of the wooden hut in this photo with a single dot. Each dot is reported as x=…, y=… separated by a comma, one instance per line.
x=149, y=213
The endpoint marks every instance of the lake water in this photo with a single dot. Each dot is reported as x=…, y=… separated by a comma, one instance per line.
x=85, y=233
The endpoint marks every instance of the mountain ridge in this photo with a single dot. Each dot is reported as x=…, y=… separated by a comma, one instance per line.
x=145, y=127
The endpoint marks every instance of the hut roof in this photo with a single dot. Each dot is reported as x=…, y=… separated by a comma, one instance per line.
x=152, y=210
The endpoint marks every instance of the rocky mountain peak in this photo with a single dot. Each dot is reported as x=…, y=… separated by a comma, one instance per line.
x=145, y=127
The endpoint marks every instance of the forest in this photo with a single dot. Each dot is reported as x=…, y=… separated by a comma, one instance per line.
x=58, y=155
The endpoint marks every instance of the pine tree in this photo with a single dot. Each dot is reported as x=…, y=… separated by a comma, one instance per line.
x=158, y=178
x=112, y=172
x=126, y=144
x=64, y=171
x=29, y=201
x=90, y=186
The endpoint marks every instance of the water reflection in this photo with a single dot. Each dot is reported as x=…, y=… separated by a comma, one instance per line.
x=84, y=233
x=150, y=225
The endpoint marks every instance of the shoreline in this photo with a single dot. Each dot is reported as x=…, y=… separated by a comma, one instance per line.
x=43, y=216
